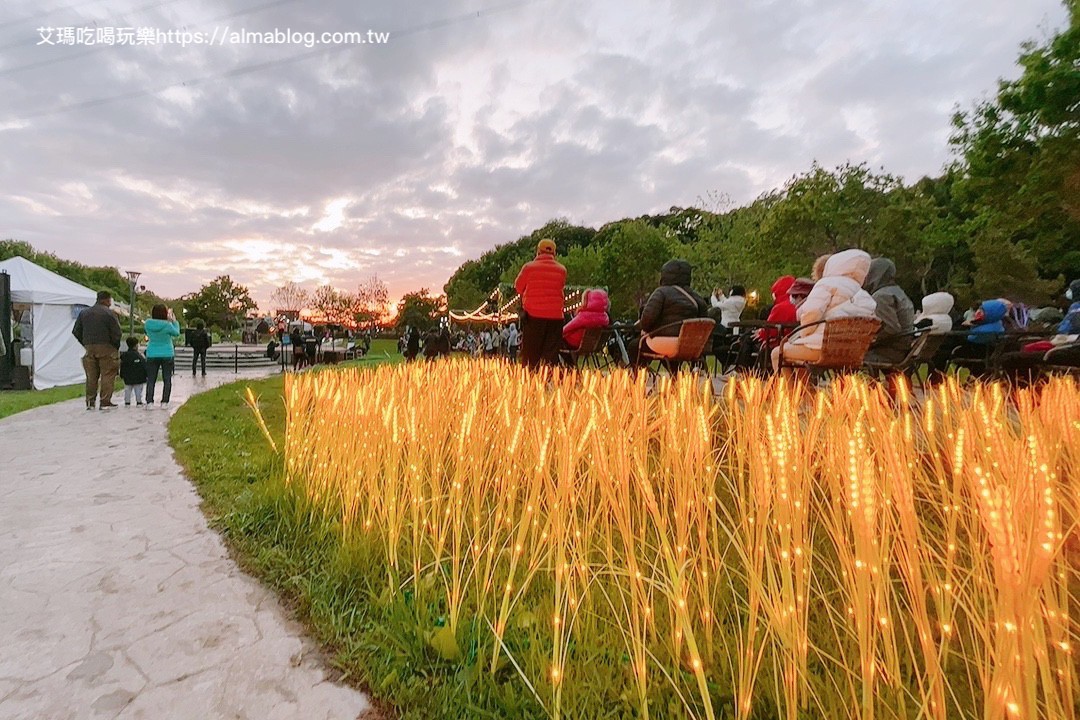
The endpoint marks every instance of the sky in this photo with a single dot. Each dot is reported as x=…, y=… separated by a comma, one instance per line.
x=475, y=123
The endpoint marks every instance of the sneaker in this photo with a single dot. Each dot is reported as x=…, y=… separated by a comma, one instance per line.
x=139, y=404
x=164, y=406
x=128, y=403
x=108, y=405
x=90, y=405
x=149, y=406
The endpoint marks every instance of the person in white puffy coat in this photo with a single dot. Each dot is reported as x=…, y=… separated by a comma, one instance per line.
x=837, y=294
x=935, y=309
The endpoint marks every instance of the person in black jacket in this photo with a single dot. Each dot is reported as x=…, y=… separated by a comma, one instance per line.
x=98, y=331
x=200, y=343
x=133, y=371
x=296, y=342
x=669, y=305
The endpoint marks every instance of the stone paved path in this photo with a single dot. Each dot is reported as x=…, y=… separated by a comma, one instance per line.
x=117, y=600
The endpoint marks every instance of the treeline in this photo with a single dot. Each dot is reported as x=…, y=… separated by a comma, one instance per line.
x=94, y=277
x=1003, y=219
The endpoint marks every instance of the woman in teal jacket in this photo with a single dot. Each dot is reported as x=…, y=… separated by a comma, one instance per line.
x=160, y=329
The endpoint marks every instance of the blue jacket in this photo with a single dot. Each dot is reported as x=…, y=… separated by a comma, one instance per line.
x=1071, y=324
x=160, y=333
x=991, y=326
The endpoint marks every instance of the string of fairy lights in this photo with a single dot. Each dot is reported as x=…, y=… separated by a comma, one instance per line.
x=573, y=299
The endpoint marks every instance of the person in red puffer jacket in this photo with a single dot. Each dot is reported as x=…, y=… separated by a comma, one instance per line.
x=593, y=314
x=540, y=284
x=783, y=311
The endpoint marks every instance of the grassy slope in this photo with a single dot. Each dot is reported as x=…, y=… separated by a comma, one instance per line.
x=378, y=646
x=16, y=401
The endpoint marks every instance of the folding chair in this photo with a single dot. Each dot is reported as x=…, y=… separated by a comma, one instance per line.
x=592, y=351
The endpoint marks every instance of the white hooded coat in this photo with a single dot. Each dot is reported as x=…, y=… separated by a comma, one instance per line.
x=936, y=308
x=838, y=294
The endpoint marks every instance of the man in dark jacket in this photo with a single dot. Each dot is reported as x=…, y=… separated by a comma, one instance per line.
x=98, y=331
x=894, y=309
x=200, y=343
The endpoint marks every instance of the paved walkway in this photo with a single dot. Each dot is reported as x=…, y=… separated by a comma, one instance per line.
x=117, y=600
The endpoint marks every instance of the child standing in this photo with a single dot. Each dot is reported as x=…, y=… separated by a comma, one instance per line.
x=133, y=371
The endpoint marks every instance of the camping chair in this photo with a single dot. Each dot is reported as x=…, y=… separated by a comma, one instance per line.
x=592, y=350
x=694, y=337
x=843, y=346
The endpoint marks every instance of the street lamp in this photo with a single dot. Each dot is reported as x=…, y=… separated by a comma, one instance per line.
x=133, y=277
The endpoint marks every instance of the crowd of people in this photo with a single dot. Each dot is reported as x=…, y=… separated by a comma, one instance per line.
x=845, y=284
x=849, y=283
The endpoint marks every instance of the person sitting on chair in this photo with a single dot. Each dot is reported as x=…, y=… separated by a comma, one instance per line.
x=895, y=310
x=837, y=294
x=593, y=313
x=670, y=304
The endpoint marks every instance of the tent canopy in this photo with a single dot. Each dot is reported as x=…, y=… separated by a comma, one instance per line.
x=55, y=302
x=34, y=285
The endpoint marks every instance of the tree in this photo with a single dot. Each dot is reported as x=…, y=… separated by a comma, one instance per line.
x=95, y=278
x=419, y=310
x=471, y=283
x=289, y=300
x=332, y=305
x=1019, y=156
x=630, y=262
x=220, y=302
x=371, y=302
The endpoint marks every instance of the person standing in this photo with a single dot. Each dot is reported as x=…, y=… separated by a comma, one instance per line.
x=200, y=343
x=296, y=342
x=541, y=284
x=98, y=331
x=512, y=340
x=161, y=328
x=133, y=371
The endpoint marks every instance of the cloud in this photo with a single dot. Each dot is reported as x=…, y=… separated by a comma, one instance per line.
x=468, y=129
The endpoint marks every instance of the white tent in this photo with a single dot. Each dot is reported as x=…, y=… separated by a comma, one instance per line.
x=55, y=303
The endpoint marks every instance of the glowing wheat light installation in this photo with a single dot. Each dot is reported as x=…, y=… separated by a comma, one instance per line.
x=847, y=552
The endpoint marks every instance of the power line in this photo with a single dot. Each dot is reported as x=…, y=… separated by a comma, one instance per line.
x=101, y=48
x=255, y=67
x=47, y=13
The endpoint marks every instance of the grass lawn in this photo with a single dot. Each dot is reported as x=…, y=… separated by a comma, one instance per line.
x=376, y=647
x=223, y=451
x=15, y=401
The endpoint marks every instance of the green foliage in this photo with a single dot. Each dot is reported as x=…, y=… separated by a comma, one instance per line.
x=470, y=285
x=93, y=277
x=1019, y=157
x=222, y=302
x=419, y=310
x=630, y=259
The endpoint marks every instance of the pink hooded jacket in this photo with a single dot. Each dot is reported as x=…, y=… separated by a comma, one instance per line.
x=593, y=314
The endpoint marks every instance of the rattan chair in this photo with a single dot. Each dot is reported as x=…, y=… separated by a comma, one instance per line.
x=843, y=346
x=695, y=335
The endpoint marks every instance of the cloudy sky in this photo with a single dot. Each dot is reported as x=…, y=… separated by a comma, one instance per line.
x=478, y=121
